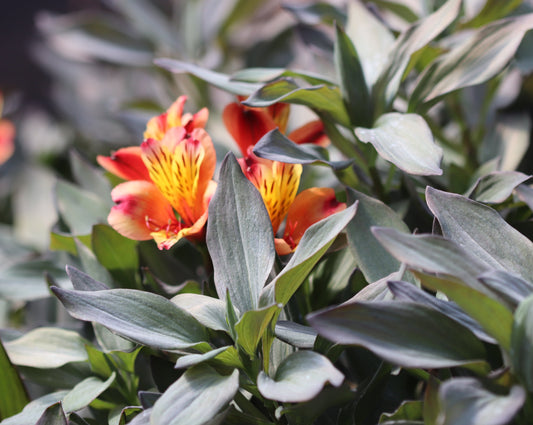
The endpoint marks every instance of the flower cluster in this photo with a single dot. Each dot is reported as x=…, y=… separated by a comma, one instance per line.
x=170, y=176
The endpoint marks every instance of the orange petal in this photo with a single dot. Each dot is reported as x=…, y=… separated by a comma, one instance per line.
x=247, y=125
x=125, y=163
x=7, y=137
x=181, y=166
x=312, y=132
x=310, y=206
x=140, y=210
x=280, y=114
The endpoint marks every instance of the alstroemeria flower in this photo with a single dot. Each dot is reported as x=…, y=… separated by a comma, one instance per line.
x=157, y=127
x=247, y=125
x=7, y=140
x=169, y=189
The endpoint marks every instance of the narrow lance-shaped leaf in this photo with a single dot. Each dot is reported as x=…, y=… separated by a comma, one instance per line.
x=497, y=186
x=482, y=232
x=300, y=377
x=406, y=141
x=314, y=243
x=522, y=342
x=14, y=396
x=404, y=333
x=53, y=415
x=143, y=317
x=277, y=147
x=239, y=238
x=352, y=81
x=195, y=398
x=475, y=61
x=372, y=259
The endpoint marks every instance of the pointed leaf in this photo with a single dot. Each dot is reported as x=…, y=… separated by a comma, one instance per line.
x=209, y=311
x=300, y=377
x=195, y=398
x=314, y=243
x=228, y=356
x=83, y=282
x=507, y=286
x=252, y=326
x=33, y=410
x=522, y=342
x=295, y=334
x=479, y=58
x=496, y=319
x=142, y=317
x=53, y=415
x=47, y=348
x=372, y=259
x=239, y=238
x=14, y=396
x=497, y=186
x=465, y=401
x=319, y=97
x=483, y=232
x=354, y=88
x=216, y=79
x=85, y=392
x=405, y=291
x=404, y=333
x=277, y=147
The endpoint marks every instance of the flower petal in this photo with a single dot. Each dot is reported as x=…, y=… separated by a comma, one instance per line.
x=140, y=210
x=247, y=125
x=7, y=137
x=181, y=166
x=125, y=163
x=312, y=132
x=310, y=206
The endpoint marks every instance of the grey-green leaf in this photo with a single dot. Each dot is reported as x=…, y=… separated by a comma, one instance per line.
x=404, y=333
x=497, y=186
x=465, y=401
x=142, y=317
x=195, y=398
x=522, y=342
x=300, y=377
x=239, y=237
x=47, y=348
x=482, y=232
x=372, y=259
x=406, y=141
x=209, y=311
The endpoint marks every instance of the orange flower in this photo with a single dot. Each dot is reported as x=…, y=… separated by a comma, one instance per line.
x=170, y=183
x=277, y=181
x=174, y=117
x=7, y=136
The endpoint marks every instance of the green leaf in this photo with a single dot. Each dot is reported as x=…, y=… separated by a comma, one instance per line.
x=372, y=259
x=33, y=410
x=277, y=147
x=116, y=253
x=406, y=141
x=354, y=88
x=14, y=396
x=79, y=208
x=483, y=232
x=404, y=291
x=476, y=60
x=522, y=342
x=227, y=356
x=409, y=410
x=434, y=254
x=300, y=377
x=492, y=10
x=497, y=186
x=53, y=415
x=314, y=243
x=321, y=98
x=142, y=317
x=411, y=40
x=495, y=318
x=264, y=75
x=209, y=311
x=252, y=326
x=509, y=288
x=295, y=334
x=83, y=282
x=372, y=51
x=85, y=392
x=403, y=333
x=47, y=348
x=216, y=79
x=466, y=401
x=239, y=237
x=195, y=398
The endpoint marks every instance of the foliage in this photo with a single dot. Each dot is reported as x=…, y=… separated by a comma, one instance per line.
x=401, y=292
